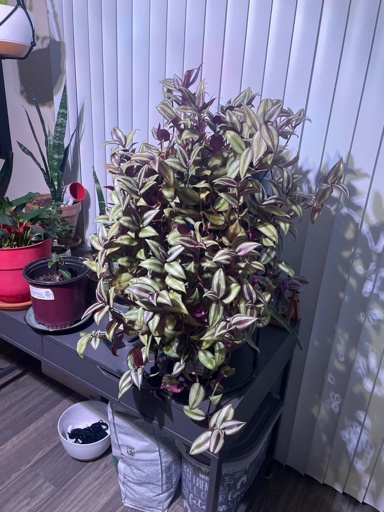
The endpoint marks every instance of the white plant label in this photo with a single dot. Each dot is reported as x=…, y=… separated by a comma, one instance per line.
x=42, y=294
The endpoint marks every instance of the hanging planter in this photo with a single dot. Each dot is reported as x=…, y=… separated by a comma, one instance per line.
x=17, y=35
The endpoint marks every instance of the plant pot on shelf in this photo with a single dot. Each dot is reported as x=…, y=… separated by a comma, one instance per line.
x=13, y=287
x=16, y=31
x=57, y=304
x=70, y=213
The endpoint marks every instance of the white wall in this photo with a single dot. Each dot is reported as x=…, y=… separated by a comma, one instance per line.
x=19, y=76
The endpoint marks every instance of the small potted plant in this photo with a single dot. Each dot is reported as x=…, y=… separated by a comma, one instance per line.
x=52, y=160
x=58, y=286
x=24, y=237
x=192, y=240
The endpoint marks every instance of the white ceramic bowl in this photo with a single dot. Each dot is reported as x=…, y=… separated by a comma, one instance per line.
x=81, y=415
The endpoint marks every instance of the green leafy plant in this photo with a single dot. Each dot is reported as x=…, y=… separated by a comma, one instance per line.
x=19, y=228
x=58, y=261
x=192, y=240
x=53, y=156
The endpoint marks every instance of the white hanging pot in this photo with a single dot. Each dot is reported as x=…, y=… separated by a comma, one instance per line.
x=16, y=31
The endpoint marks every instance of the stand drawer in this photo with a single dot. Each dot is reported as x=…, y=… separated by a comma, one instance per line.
x=84, y=371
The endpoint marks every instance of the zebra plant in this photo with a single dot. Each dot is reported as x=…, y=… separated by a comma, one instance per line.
x=190, y=241
x=54, y=156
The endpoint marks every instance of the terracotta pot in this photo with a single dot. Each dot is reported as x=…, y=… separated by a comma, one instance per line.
x=70, y=213
x=57, y=304
x=13, y=287
x=15, y=33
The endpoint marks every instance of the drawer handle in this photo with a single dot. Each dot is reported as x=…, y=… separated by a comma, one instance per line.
x=106, y=373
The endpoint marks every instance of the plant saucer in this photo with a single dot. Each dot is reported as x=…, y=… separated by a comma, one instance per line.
x=15, y=306
x=31, y=321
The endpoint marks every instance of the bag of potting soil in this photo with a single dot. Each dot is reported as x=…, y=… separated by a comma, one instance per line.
x=148, y=462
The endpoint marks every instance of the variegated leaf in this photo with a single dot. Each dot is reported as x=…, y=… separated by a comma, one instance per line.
x=195, y=414
x=235, y=141
x=224, y=414
x=175, y=269
x=242, y=322
x=148, y=232
x=215, y=219
x=174, y=252
x=153, y=264
x=268, y=230
x=220, y=353
x=286, y=268
x=201, y=443
x=196, y=395
x=215, y=399
x=216, y=312
x=245, y=160
x=232, y=292
x=216, y=441
x=246, y=247
x=231, y=427
x=82, y=344
x=125, y=383
x=218, y=283
x=207, y=359
x=175, y=284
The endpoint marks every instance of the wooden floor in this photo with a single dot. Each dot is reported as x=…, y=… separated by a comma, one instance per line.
x=36, y=474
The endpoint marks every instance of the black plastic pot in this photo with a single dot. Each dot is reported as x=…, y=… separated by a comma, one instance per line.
x=61, y=303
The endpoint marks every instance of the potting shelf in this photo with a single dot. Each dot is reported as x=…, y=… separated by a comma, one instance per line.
x=99, y=370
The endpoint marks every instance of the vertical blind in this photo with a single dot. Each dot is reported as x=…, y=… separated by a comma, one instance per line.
x=325, y=56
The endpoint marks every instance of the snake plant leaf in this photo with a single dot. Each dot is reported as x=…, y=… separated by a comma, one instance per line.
x=279, y=318
x=99, y=193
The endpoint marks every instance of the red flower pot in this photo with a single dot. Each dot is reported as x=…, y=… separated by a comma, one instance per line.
x=13, y=287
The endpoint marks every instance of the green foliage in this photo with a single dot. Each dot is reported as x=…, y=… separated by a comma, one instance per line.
x=192, y=239
x=19, y=228
x=58, y=261
x=53, y=156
